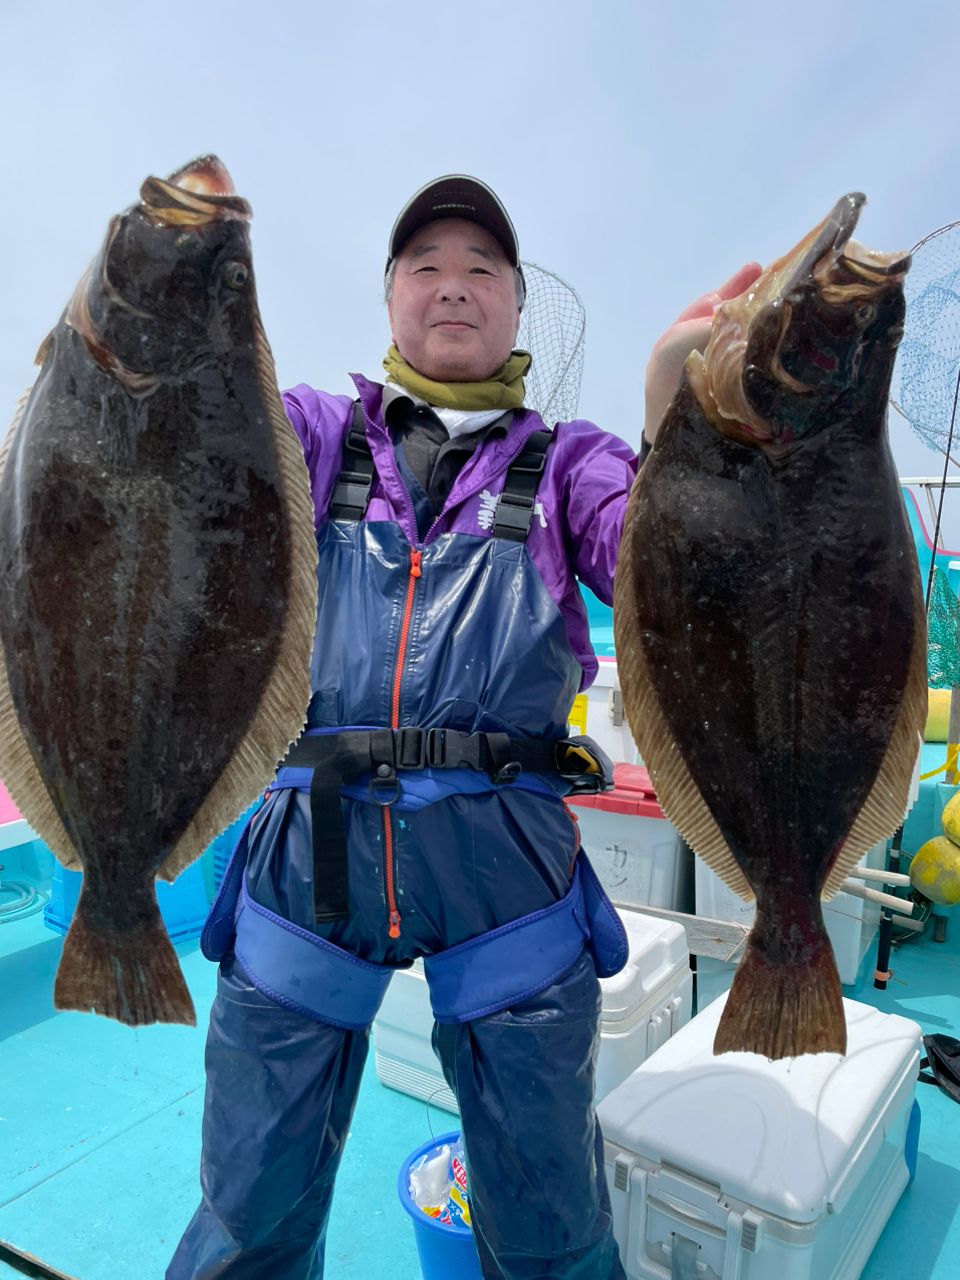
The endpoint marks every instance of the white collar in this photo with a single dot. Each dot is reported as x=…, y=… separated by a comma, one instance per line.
x=458, y=422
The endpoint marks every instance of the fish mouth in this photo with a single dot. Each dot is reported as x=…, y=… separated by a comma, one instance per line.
x=749, y=331
x=196, y=196
x=200, y=193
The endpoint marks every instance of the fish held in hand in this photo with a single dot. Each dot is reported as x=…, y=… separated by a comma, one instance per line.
x=769, y=620
x=158, y=588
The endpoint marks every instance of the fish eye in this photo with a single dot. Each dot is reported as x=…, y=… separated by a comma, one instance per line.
x=236, y=274
x=865, y=314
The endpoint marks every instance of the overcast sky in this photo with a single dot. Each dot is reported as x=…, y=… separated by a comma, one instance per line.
x=643, y=150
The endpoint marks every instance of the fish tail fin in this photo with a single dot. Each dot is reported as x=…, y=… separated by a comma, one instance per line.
x=783, y=1010
x=132, y=975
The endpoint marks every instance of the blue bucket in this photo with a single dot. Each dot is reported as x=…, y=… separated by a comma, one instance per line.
x=447, y=1250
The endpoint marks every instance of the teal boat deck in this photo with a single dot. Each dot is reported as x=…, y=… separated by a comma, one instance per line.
x=100, y=1130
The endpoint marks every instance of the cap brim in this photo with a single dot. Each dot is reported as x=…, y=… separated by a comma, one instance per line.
x=455, y=196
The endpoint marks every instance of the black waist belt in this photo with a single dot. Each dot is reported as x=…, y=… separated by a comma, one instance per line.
x=339, y=758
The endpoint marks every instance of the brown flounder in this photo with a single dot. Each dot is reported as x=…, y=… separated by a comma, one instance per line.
x=157, y=595
x=769, y=620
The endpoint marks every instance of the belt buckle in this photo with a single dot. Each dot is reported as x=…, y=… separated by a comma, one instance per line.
x=435, y=748
x=411, y=747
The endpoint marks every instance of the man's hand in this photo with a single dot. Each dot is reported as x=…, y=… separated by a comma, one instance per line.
x=689, y=332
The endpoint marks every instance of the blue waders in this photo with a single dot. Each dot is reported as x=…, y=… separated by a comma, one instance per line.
x=475, y=869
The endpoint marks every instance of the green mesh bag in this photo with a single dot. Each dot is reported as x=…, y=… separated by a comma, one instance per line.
x=943, y=634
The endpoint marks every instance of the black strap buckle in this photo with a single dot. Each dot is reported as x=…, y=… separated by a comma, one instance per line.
x=514, y=513
x=351, y=492
x=517, y=503
x=351, y=489
x=533, y=455
x=411, y=747
x=452, y=749
x=356, y=436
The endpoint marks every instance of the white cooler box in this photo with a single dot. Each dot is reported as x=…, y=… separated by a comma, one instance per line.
x=852, y=923
x=643, y=1005
x=638, y=855
x=759, y=1170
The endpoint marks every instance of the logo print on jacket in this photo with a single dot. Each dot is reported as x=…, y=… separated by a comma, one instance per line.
x=488, y=510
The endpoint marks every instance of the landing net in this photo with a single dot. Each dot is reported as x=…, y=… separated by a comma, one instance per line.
x=552, y=326
x=925, y=377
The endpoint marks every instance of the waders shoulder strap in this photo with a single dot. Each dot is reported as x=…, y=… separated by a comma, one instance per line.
x=351, y=489
x=515, y=508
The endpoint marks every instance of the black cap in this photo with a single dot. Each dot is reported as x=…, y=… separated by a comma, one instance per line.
x=456, y=195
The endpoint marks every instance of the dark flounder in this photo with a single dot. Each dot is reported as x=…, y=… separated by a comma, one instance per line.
x=769, y=620
x=157, y=599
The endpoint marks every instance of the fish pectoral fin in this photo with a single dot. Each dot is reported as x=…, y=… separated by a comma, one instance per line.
x=886, y=805
x=46, y=346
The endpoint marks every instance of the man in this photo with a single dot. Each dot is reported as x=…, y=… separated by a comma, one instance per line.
x=423, y=809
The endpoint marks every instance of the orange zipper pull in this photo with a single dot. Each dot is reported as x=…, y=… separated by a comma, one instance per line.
x=414, y=563
x=394, y=930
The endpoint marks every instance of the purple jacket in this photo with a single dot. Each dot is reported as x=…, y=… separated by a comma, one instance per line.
x=581, y=498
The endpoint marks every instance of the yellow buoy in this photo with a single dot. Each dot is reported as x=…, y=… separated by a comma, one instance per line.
x=950, y=818
x=935, y=870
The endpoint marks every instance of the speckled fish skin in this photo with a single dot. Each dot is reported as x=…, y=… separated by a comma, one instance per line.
x=149, y=535
x=769, y=619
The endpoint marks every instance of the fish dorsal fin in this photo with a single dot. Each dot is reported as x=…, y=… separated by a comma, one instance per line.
x=886, y=804
x=677, y=793
x=17, y=766
x=284, y=699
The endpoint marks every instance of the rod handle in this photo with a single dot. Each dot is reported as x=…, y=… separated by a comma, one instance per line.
x=873, y=895
x=880, y=876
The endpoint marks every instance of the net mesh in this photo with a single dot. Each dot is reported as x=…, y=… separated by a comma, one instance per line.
x=928, y=362
x=943, y=629
x=552, y=326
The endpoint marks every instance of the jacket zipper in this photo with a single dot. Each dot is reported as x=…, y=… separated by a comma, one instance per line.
x=393, y=928
x=393, y=918
x=394, y=915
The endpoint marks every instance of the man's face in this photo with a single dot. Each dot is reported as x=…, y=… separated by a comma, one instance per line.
x=453, y=310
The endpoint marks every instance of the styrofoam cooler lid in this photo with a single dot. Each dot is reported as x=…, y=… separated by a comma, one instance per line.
x=658, y=951
x=606, y=677
x=632, y=793
x=784, y=1136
